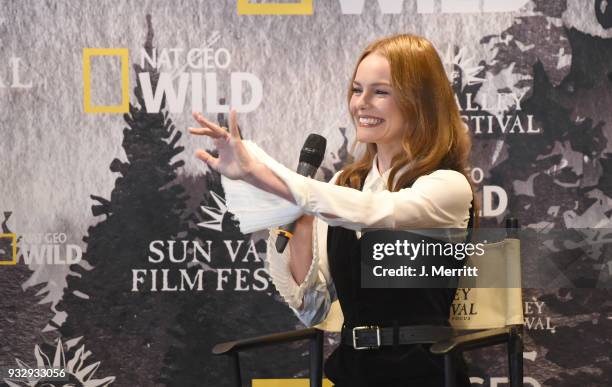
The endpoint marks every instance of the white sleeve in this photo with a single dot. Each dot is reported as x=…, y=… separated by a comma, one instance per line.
x=440, y=199
x=254, y=208
x=312, y=299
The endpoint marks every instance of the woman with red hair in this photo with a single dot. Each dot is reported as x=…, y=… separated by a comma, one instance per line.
x=411, y=175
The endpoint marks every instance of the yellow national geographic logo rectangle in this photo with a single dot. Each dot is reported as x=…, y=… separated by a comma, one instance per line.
x=8, y=257
x=304, y=7
x=122, y=53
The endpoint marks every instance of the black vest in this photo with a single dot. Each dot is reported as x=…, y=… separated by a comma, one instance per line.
x=389, y=366
x=382, y=307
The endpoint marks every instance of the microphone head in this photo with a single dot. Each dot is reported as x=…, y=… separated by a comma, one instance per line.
x=313, y=150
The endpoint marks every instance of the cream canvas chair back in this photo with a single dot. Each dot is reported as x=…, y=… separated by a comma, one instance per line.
x=479, y=306
x=476, y=307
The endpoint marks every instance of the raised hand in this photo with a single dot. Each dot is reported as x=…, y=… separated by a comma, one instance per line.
x=234, y=161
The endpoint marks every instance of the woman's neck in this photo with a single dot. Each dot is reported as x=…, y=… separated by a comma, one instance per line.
x=384, y=155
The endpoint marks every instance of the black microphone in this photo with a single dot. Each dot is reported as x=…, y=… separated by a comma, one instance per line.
x=311, y=157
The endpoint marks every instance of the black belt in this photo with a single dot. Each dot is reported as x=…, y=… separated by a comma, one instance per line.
x=373, y=337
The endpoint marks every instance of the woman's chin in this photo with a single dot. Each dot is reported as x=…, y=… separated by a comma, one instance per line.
x=366, y=139
x=363, y=135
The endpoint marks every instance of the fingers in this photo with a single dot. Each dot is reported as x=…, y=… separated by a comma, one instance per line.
x=203, y=132
x=233, y=123
x=207, y=158
x=216, y=130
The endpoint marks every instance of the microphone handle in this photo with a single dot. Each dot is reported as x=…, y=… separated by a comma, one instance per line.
x=286, y=232
x=283, y=237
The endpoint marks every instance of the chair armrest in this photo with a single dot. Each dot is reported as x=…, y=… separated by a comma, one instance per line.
x=264, y=341
x=475, y=340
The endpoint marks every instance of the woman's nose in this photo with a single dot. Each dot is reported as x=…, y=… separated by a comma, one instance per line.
x=363, y=102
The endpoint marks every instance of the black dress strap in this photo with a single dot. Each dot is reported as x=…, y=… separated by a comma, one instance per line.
x=470, y=225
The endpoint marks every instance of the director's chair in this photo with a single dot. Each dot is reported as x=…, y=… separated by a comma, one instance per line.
x=499, y=321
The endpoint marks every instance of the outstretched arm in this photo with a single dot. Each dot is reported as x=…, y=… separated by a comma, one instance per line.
x=440, y=199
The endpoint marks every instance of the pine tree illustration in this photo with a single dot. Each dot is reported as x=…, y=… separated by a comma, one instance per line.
x=125, y=330
x=224, y=313
x=22, y=317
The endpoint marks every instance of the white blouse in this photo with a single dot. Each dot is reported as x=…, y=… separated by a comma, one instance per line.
x=440, y=199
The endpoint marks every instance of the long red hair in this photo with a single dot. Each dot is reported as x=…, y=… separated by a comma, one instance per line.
x=437, y=137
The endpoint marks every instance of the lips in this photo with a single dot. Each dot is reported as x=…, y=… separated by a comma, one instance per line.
x=369, y=121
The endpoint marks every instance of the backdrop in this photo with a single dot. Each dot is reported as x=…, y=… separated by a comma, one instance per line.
x=127, y=267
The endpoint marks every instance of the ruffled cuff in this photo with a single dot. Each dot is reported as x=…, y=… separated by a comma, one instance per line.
x=257, y=209
x=298, y=184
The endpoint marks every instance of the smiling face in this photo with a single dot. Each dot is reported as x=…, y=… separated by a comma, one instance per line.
x=374, y=106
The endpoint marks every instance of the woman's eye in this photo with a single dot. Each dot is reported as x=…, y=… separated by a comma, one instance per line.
x=356, y=90
x=382, y=92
